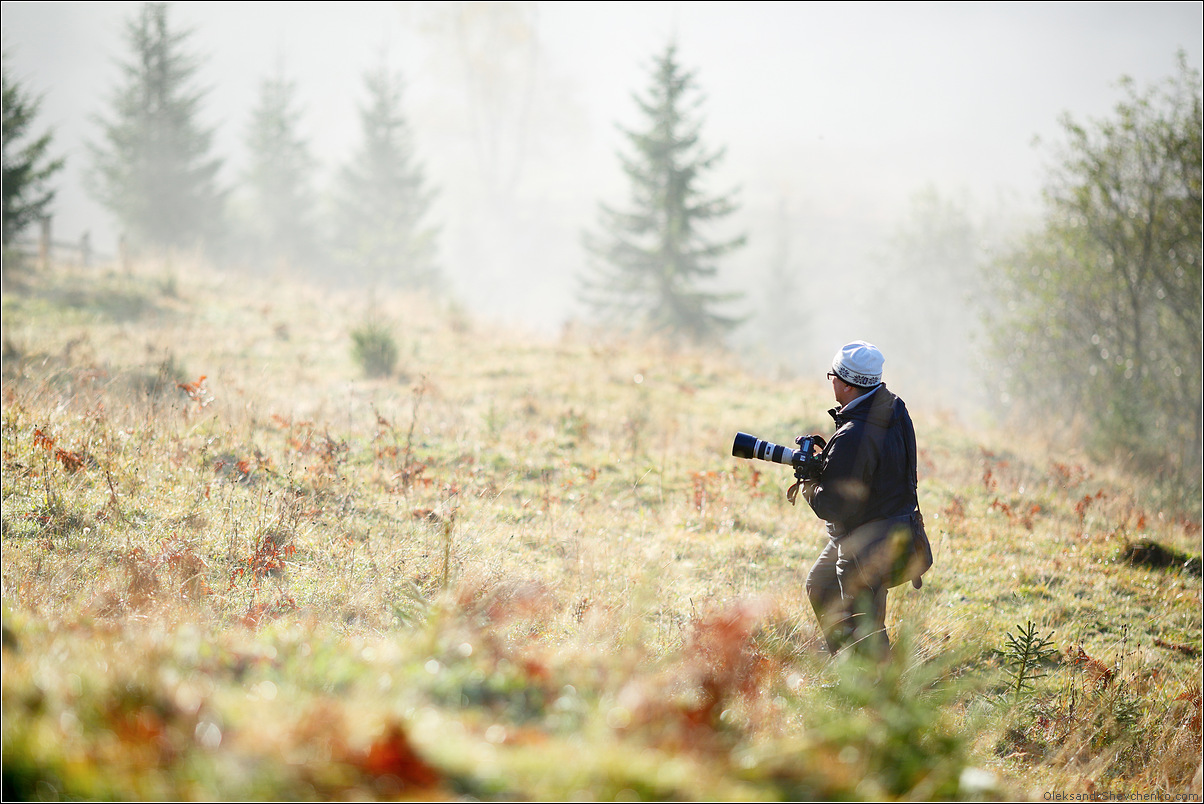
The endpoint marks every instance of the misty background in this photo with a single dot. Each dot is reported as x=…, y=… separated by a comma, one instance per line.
x=868, y=141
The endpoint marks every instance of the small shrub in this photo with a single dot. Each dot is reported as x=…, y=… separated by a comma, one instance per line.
x=1024, y=654
x=374, y=349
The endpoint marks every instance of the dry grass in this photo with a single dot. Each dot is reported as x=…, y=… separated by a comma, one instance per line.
x=233, y=566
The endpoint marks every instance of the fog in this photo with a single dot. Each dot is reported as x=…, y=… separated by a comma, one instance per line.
x=835, y=117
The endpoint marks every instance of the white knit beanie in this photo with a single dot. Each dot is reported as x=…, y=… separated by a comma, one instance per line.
x=859, y=363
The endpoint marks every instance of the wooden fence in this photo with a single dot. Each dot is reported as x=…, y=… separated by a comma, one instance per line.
x=45, y=249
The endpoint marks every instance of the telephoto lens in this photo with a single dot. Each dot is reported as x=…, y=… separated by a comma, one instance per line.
x=746, y=446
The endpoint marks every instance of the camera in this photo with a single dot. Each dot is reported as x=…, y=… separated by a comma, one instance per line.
x=806, y=464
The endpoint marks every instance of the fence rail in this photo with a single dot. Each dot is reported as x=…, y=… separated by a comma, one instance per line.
x=45, y=249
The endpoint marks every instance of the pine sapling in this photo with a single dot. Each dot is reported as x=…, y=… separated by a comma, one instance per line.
x=1023, y=655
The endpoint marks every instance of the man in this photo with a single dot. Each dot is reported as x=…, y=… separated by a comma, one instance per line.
x=866, y=492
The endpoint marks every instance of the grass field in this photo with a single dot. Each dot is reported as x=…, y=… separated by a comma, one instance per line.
x=529, y=568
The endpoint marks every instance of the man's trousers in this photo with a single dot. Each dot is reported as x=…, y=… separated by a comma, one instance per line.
x=847, y=587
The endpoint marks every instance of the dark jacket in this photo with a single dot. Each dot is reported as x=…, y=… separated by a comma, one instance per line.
x=868, y=467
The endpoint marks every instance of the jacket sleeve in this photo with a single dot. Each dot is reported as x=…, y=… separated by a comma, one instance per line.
x=843, y=487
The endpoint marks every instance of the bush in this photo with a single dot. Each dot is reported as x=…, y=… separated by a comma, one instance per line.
x=374, y=349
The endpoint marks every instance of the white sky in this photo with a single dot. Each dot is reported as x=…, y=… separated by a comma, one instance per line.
x=839, y=111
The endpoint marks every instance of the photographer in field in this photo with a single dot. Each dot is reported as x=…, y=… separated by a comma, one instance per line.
x=864, y=487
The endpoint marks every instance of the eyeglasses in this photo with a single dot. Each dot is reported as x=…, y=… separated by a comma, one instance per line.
x=832, y=375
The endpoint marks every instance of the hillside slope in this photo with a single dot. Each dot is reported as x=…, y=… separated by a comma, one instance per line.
x=234, y=566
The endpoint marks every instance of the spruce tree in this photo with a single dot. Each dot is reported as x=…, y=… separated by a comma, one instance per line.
x=279, y=179
x=27, y=165
x=652, y=261
x=153, y=169
x=382, y=200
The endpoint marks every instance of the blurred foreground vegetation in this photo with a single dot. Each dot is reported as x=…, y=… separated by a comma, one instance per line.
x=237, y=566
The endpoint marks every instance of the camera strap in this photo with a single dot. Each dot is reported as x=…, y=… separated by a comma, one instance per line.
x=792, y=492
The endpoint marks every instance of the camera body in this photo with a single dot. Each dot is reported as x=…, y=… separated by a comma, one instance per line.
x=804, y=460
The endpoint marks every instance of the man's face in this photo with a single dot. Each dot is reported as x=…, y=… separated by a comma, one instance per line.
x=843, y=392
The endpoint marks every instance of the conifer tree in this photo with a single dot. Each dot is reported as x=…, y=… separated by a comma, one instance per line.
x=27, y=165
x=153, y=169
x=282, y=216
x=382, y=201
x=652, y=261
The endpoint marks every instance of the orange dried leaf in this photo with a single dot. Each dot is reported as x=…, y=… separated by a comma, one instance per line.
x=392, y=755
x=197, y=391
x=41, y=439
